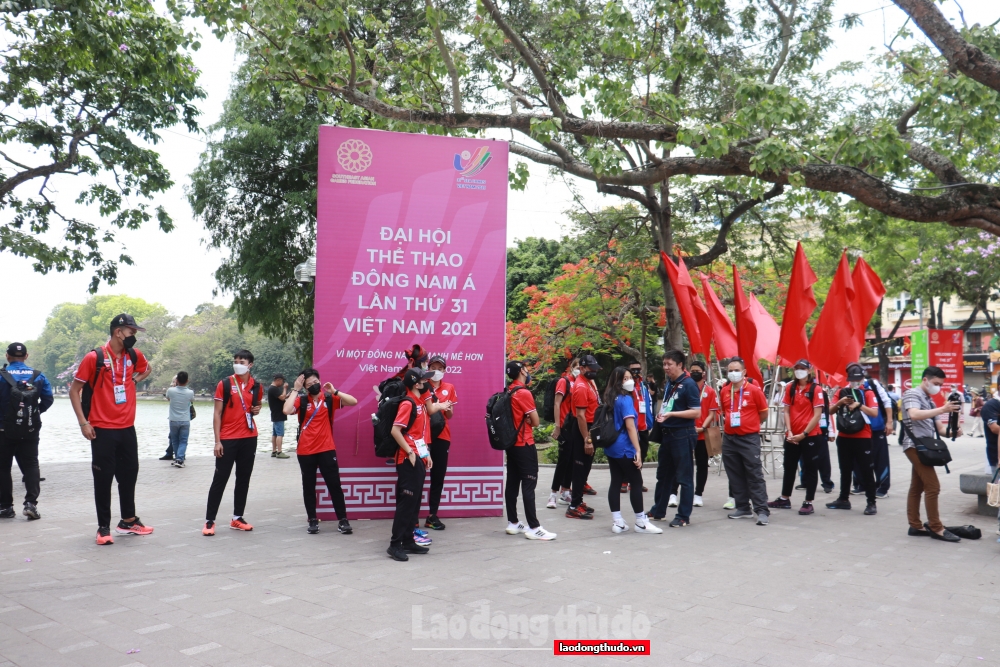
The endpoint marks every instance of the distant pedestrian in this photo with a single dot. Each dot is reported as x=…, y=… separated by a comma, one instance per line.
x=975, y=411
x=181, y=399
x=276, y=395
x=25, y=393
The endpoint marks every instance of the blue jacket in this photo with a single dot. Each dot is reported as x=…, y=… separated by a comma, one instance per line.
x=21, y=371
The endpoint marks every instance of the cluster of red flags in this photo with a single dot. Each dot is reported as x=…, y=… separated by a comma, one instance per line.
x=837, y=340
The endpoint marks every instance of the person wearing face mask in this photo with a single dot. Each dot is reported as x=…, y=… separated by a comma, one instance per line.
x=441, y=394
x=585, y=402
x=854, y=439
x=643, y=403
x=103, y=398
x=920, y=419
x=237, y=401
x=803, y=406
x=882, y=426
x=562, y=476
x=316, y=449
x=744, y=408
x=681, y=407
x=709, y=415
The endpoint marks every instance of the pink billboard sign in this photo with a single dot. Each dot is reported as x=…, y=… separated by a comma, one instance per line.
x=411, y=248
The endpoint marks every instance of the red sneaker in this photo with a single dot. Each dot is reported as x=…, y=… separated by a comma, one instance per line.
x=240, y=524
x=104, y=535
x=589, y=491
x=624, y=488
x=583, y=508
x=134, y=527
x=578, y=513
x=209, y=528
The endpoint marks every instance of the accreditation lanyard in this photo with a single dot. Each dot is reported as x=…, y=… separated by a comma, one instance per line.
x=239, y=392
x=316, y=406
x=119, y=389
x=668, y=397
x=735, y=409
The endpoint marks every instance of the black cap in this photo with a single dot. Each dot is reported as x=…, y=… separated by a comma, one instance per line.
x=803, y=363
x=124, y=320
x=590, y=362
x=855, y=372
x=437, y=358
x=17, y=350
x=415, y=375
x=514, y=369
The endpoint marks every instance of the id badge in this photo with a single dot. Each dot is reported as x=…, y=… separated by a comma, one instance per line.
x=422, y=450
x=668, y=406
x=120, y=396
x=734, y=419
x=249, y=420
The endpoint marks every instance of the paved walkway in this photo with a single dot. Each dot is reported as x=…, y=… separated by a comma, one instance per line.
x=836, y=588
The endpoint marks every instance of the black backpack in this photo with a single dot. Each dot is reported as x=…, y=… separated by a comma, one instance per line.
x=549, y=404
x=603, y=432
x=227, y=391
x=851, y=421
x=500, y=428
x=88, y=389
x=438, y=422
x=21, y=418
x=384, y=417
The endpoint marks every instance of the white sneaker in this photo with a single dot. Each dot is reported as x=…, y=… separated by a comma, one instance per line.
x=730, y=504
x=619, y=527
x=539, y=534
x=565, y=498
x=673, y=501
x=516, y=528
x=647, y=528
x=552, y=501
x=698, y=502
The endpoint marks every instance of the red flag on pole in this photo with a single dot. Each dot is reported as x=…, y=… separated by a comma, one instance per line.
x=793, y=343
x=701, y=314
x=723, y=331
x=768, y=331
x=683, y=293
x=831, y=340
x=868, y=292
x=746, y=330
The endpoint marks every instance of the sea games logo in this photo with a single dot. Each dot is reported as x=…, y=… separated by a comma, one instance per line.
x=468, y=165
x=354, y=156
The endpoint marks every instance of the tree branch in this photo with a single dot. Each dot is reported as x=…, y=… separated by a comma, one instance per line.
x=354, y=66
x=721, y=245
x=456, y=85
x=786, y=37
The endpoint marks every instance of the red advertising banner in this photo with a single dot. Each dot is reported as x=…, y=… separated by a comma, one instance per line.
x=945, y=352
x=411, y=248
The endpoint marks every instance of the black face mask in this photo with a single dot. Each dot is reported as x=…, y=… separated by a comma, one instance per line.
x=636, y=372
x=314, y=389
x=527, y=379
x=128, y=342
x=590, y=375
x=697, y=376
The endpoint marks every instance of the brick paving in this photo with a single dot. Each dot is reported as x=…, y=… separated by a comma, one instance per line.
x=836, y=588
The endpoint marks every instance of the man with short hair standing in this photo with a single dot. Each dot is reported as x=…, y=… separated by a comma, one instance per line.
x=920, y=421
x=276, y=395
x=180, y=398
x=681, y=407
x=744, y=408
x=107, y=419
x=19, y=438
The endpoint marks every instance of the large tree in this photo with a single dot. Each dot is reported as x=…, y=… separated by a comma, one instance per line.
x=85, y=85
x=631, y=95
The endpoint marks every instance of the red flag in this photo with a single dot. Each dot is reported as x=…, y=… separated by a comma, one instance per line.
x=701, y=314
x=831, y=340
x=768, y=331
x=746, y=330
x=793, y=343
x=868, y=292
x=723, y=331
x=683, y=295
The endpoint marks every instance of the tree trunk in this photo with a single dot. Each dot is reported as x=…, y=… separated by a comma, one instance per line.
x=673, y=332
x=940, y=316
x=883, y=354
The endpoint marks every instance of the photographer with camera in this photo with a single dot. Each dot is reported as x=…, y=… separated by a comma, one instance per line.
x=919, y=418
x=953, y=430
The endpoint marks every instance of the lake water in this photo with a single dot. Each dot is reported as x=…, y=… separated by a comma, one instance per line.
x=61, y=439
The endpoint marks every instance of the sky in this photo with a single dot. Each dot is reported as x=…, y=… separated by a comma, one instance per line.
x=177, y=270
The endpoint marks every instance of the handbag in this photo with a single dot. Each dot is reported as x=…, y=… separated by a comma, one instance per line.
x=993, y=491
x=192, y=412
x=967, y=532
x=713, y=441
x=930, y=451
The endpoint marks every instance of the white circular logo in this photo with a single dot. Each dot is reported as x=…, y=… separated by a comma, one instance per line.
x=444, y=392
x=466, y=155
x=354, y=155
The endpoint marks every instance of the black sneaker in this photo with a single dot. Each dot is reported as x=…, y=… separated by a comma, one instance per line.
x=839, y=505
x=679, y=523
x=345, y=527
x=780, y=503
x=857, y=491
x=828, y=488
x=167, y=457
x=313, y=526
x=397, y=553
x=433, y=523
x=871, y=509
x=31, y=511
x=800, y=487
x=8, y=513
x=414, y=548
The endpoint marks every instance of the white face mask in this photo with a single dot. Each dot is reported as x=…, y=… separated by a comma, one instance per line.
x=438, y=376
x=240, y=369
x=735, y=376
x=855, y=385
x=575, y=373
x=628, y=385
x=932, y=389
x=801, y=374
